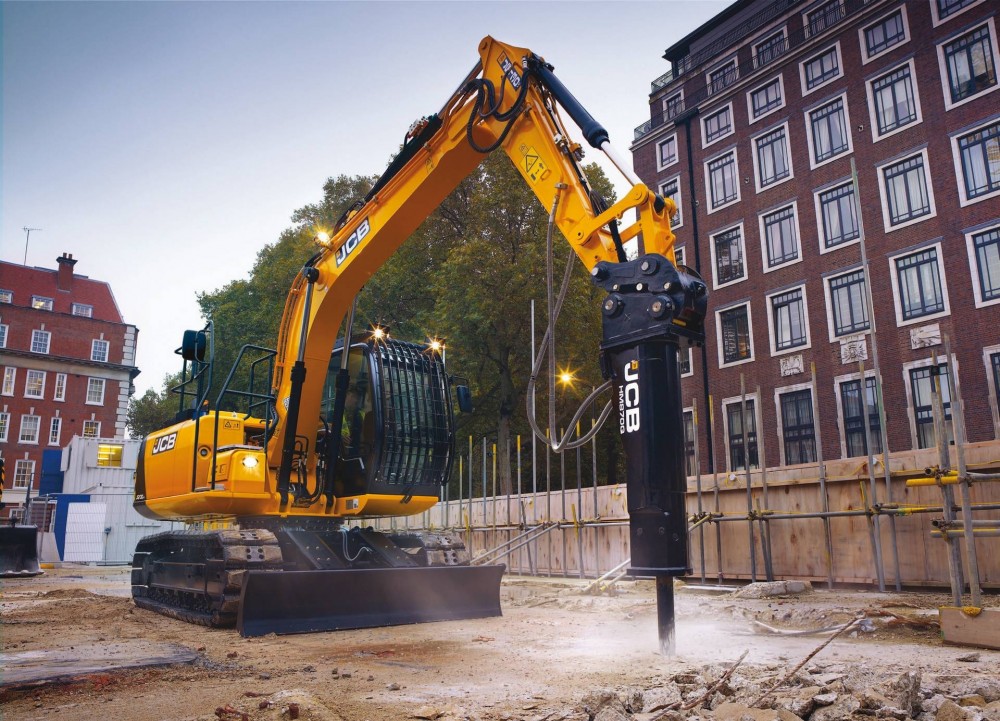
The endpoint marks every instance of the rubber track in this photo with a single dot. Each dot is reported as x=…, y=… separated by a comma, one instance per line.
x=228, y=552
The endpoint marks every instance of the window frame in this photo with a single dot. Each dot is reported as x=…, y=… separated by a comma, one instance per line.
x=26, y=420
x=59, y=389
x=764, y=241
x=814, y=9
x=660, y=165
x=91, y=383
x=719, y=339
x=942, y=279
x=708, y=180
x=753, y=438
x=755, y=152
x=4, y=332
x=803, y=79
x=85, y=310
x=867, y=57
x=738, y=227
x=873, y=417
x=842, y=99
x=4, y=426
x=6, y=296
x=731, y=70
x=779, y=395
x=780, y=80
x=32, y=373
x=41, y=302
x=911, y=407
x=994, y=388
x=873, y=115
x=727, y=108
x=19, y=464
x=831, y=315
x=772, y=327
x=768, y=37
x=690, y=458
x=679, y=201
x=55, y=430
x=975, y=270
x=881, y=169
x=667, y=104
x=957, y=158
x=94, y=344
x=38, y=333
x=821, y=218
x=936, y=18
x=690, y=362
x=8, y=386
x=950, y=104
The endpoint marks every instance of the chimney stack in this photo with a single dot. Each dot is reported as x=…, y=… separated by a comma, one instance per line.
x=64, y=279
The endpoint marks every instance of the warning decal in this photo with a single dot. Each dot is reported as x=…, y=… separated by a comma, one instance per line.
x=534, y=166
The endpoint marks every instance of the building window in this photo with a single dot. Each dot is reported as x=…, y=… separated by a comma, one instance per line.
x=737, y=343
x=673, y=106
x=821, y=69
x=922, y=385
x=59, y=394
x=717, y=125
x=666, y=152
x=6, y=296
x=86, y=311
x=728, y=254
x=848, y=303
x=838, y=215
x=109, y=455
x=886, y=33
x=947, y=8
x=894, y=103
x=797, y=429
x=3, y=336
x=906, y=194
x=825, y=16
x=767, y=98
x=672, y=189
x=770, y=48
x=689, y=462
x=829, y=134
x=9, y=376
x=99, y=351
x=781, y=238
x=723, y=180
x=855, y=409
x=95, y=391
x=39, y=302
x=970, y=64
x=4, y=426
x=24, y=473
x=723, y=77
x=772, y=159
x=34, y=384
x=788, y=320
x=40, y=340
x=734, y=425
x=55, y=430
x=985, y=251
x=995, y=367
x=979, y=154
x=919, y=282
x=29, y=429
x=91, y=429
x=685, y=362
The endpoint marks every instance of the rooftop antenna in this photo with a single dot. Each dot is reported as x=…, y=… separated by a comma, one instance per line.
x=27, y=237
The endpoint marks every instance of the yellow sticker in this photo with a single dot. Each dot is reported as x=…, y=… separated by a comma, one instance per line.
x=534, y=166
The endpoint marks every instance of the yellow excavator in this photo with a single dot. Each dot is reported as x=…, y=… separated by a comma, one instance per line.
x=336, y=428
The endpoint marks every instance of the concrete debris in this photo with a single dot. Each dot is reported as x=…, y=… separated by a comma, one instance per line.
x=951, y=711
x=774, y=589
x=969, y=658
x=738, y=712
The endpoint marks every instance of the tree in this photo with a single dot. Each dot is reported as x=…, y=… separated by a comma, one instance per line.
x=153, y=410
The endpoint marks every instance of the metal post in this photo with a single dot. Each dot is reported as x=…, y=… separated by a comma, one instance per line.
x=958, y=420
x=876, y=531
x=548, y=496
x=562, y=494
x=461, y=472
x=746, y=466
x=878, y=377
x=697, y=481
x=822, y=479
x=715, y=485
x=765, y=529
x=944, y=465
x=579, y=501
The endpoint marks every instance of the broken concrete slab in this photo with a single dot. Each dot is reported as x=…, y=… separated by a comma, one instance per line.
x=773, y=589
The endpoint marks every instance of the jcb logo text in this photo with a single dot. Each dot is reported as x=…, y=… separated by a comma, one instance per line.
x=628, y=400
x=164, y=443
x=353, y=241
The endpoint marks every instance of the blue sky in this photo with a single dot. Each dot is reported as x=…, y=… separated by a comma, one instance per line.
x=163, y=144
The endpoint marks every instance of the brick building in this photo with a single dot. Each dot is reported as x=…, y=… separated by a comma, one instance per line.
x=752, y=132
x=67, y=361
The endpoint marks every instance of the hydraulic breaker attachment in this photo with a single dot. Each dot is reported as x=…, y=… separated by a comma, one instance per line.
x=651, y=307
x=19, y=551
x=305, y=601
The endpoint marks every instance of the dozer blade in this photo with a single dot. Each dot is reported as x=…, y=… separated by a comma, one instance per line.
x=18, y=551
x=306, y=601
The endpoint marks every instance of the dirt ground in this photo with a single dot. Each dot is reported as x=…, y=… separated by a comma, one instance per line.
x=553, y=647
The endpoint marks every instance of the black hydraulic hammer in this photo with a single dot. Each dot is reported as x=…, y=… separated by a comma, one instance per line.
x=651, y=308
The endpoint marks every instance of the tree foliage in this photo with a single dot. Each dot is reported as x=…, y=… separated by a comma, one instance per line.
x=153, y=410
